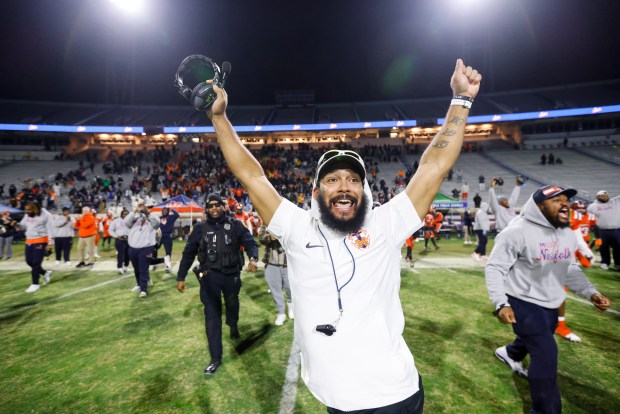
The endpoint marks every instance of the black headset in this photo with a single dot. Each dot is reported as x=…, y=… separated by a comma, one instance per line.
x=202, y=95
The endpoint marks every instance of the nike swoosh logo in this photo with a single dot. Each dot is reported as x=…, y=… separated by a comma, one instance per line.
x=310, y=246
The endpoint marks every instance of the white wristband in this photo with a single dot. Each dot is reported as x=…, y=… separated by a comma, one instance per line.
x=461, y=102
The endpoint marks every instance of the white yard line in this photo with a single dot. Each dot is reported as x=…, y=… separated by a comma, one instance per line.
x=289, y=390
x=66, y=295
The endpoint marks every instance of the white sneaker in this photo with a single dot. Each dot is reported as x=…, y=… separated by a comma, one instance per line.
x=57, y=262
x=120, y=271
x=136, y=288
x=572, y=337
x=143, y=295
x=280, y=319
x=46, y=277
x=516, y=366
x=125, y=268
x=150, y=283
x=97, y=256
x=67, y=264
x=291, y=315
x=604, y=266
x=475, y=256
x=33, y=288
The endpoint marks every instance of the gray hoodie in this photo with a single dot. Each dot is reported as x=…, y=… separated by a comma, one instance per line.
x=481, y=220
x=142, y=229
x=532, y=261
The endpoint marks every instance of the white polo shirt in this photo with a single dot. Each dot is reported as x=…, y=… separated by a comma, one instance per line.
x=366, y=363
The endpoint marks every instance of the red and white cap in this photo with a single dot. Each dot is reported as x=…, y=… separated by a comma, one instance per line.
x=550, y=191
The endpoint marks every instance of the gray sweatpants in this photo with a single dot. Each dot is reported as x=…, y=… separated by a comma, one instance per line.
x=277, y=279
x=8, y=242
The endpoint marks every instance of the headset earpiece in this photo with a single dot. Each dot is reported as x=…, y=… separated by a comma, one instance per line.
x=202, y=95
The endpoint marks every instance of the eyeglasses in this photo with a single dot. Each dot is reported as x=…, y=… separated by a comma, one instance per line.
x=214, y=205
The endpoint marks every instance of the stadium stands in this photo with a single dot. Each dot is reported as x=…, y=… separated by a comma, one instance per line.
x=421, y=109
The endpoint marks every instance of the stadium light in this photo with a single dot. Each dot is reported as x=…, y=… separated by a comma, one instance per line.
x=129, y=6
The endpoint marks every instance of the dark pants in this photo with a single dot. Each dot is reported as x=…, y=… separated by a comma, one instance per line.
x=610, y=241
x=156, y=260
x=122, y=253
x=482, y=243
x=411, y=405
x=534, y=328
x=166, y=240
x=34, y=259
x=140, y=260
x=212, y=286
x=63, y=245
x=429, y=233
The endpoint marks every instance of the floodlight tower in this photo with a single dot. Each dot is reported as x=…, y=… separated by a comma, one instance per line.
x=121, y=53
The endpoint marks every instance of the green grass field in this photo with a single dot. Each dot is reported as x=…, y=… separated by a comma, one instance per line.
x=86, y=344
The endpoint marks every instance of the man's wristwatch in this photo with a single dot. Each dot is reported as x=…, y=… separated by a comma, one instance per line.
x=253, y=259
x=500, y=307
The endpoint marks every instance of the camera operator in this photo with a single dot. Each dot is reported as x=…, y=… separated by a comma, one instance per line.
x=141, y=239
x=217, y=242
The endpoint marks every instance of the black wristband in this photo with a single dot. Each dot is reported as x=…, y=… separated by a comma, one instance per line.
x=466, y=98
x=502, y=306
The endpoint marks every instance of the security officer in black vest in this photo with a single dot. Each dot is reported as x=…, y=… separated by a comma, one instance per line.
x=217, y=243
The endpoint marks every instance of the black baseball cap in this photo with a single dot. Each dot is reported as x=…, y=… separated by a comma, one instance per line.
x=550, y=191
x=214, y=197
x=337, y=159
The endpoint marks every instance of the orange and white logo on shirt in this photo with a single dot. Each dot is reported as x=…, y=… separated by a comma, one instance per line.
x=360, y=239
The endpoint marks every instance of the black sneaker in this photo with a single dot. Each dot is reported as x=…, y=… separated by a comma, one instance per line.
x=81, y=264
x=212, y=367
x=234, y=332
x=89, y=264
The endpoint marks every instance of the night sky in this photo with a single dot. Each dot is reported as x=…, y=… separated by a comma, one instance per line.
x=344, y=50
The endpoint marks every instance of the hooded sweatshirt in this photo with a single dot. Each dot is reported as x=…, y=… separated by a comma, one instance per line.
x=142, y=229
x=482, y=221
x=607, y=214
x=38, y=228
x=532, y=261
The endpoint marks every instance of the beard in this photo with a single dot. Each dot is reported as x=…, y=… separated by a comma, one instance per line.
x=555, y=221
x=343, y=226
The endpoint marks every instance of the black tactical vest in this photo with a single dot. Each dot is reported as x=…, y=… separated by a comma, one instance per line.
x=219, y=249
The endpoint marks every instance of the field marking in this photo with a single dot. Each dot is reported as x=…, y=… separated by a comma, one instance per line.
x=66, y=295
x=432, y=264
x=587, y=302
x=289, y=389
